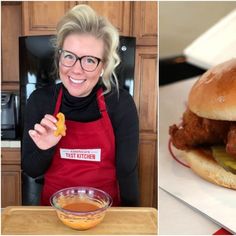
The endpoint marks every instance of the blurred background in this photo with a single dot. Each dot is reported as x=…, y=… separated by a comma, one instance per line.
x=181, y=22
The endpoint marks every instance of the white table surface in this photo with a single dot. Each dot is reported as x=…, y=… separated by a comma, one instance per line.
x=176, y=218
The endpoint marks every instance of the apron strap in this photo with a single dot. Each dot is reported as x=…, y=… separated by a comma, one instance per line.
x=58, y=104
x=101, y=101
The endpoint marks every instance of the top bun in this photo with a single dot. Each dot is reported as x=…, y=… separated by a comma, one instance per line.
x=213, y=96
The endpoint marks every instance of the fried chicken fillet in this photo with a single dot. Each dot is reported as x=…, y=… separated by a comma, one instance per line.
x=196, y=131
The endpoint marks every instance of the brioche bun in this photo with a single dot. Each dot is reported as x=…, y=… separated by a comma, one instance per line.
x=203, y=164
x=213, y=96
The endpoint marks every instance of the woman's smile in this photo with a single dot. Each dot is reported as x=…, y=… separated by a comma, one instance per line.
x=76, y=81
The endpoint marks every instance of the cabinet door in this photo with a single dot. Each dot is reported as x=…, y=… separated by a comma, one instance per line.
x=146, y=101
x=10, y=177
x=11, y=186
x=146, y=88
x=148, y=170
x=117, y=12
x=145, y=22
x=11, y=30
x=41, y=17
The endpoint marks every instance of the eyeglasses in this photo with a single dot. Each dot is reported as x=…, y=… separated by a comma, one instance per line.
x=88, y=63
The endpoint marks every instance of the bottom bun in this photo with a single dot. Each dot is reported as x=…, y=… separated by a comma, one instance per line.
x=203, y=164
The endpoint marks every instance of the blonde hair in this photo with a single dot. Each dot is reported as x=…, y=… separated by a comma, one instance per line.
x=83, y=19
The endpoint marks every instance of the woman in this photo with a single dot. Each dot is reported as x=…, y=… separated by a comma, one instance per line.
x=101, y=119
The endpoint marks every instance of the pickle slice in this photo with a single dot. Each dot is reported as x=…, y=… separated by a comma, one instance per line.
x=224, y=159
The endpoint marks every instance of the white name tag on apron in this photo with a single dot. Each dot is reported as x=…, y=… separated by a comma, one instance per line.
x=81, y=154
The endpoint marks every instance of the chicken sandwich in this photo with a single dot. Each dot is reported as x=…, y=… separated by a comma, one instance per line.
x=208, y=130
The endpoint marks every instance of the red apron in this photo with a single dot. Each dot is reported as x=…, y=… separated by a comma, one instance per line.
x=84, y=157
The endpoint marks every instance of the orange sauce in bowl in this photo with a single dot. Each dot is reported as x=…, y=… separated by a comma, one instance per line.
x=81, y=222
x=81, y=206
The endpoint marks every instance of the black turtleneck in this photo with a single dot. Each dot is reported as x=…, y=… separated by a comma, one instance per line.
x=123, y=114
x=83, y=109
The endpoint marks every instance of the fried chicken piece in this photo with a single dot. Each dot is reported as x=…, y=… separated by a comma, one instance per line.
x=61, y=128
x=196, y=131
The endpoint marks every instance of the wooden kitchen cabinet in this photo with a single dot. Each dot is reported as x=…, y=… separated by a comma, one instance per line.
x=148, y=169
x=10, y=177
x=146, y=101
x=41, y=17
x=144, y=28
x=119, y=13
x=146, y=87
x=11, y=30
x=145, y=22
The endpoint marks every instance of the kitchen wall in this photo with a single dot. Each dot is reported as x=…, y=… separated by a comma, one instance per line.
x=181, y=22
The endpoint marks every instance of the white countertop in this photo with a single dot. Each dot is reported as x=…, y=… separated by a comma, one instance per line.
x=10, y=143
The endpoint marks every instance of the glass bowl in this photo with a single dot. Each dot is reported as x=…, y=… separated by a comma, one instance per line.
x=81, y=208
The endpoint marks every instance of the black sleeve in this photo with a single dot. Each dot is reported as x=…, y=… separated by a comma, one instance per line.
x=125, y=122
x=34, y=160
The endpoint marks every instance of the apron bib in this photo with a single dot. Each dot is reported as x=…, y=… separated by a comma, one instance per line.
x=84, y=157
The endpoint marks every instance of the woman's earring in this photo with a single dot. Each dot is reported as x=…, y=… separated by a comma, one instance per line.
x=102, y=73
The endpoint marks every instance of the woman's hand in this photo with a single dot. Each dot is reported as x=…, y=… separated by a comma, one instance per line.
x=43, y=133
